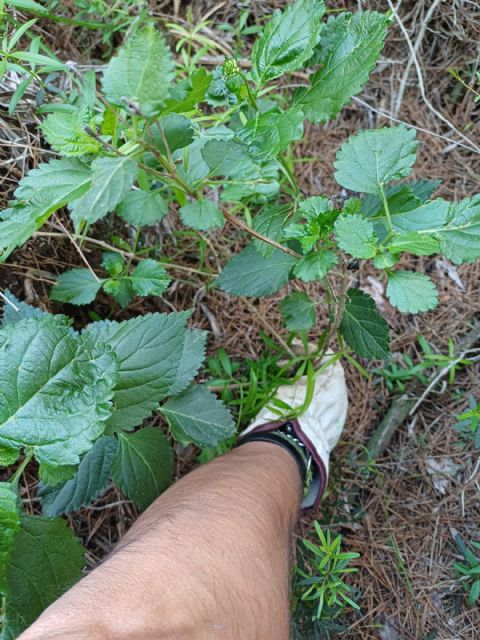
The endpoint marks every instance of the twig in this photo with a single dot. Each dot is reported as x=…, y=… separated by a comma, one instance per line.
x=9, y=302
x=80, y=252
x=268, y=327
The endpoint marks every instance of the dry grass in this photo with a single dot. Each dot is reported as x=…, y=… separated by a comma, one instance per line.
x=399, y=522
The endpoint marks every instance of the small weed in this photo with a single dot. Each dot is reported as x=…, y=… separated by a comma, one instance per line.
x=469, y=571
x=468, y=423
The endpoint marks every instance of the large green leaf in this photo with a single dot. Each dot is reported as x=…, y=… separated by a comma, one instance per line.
x=148, y=349
x=202, y=214
x=55, y=394
x=411, y=292
x=413, y=242
x=271, y=132
x=287, y=40
x=271, y=222
x=65, y=132
x=170, y=133
x=46, y=559
x=76, y=286
x=298, y=311
x=20, y=310
x=369, y=160
x=198, y=416
x=191, y=360
x=88, y=483
x=111, y=180
x=9, y=524
x=315, y=265
x=143, y=465
x=251, y=274
x=141, y=72
x=149, y=278
x=460, y=237
x=356, y=236
x=364, y=329
x=347, y=52
x=40, y=193
x=227, y=158
x=142, y=207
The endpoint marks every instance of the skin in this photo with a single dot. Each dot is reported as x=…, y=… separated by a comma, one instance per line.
x=209, y=559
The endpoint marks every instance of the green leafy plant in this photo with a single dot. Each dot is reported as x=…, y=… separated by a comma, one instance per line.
x=469, y=570
x=468, y=424
x=321, y=595
x=73, y=400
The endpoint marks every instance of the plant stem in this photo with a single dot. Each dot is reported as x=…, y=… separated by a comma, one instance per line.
x=22, y=466
x=387, y=210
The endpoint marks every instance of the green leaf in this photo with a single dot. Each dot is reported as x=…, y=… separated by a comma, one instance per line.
x=187, y=94
x=112, y=178
x=198, y=416
x=287, y=40
x=170, y=133
x=148, y=349
x=347, y=52
x=40, y=193
x=369, y=160
x=191, y=360
x=460, y=237
x=88, y=483
x=315, y=266
x=411, y=292
x=364, y=329
x=416, y=243
x=46, y=559
x=64, y=131
x=8, y=456
x=271, y=132
x=9, y=524
x=77, y=286
x=143, y=465
x=56, y=391
x=142, y=207
x=251, y=274
x=194, y=166
x=28, y=5
x=53, y=475
x=149, y=278
x=355, y=235
x=298, y=311
x=11, y=315
x=141, y=72
x=202, y=215
x=113, y=263
x=227, y=158
x=121, y=289
x=271, y=222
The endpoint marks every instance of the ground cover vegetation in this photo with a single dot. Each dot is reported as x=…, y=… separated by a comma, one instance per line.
x=156, y=131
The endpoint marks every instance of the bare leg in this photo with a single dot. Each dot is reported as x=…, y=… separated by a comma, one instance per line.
x=209, y=559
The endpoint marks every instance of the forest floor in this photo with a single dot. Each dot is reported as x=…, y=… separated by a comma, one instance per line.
x=401, y=519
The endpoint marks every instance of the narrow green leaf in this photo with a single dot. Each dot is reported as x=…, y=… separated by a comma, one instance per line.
x=141, y=72
x=315, y=265
x=88, y=483
x=356, y=236
x=142, y=207
x=149, y=278
x=287, y=40
x=251, y=274
x=77, y=286
x=369, y=160
x=111, y=180
x=198, y=416
x=364, y=329
x=298, y=311
x=347, y=52
x=143, y=465
x=411, y=292
x=202, y=215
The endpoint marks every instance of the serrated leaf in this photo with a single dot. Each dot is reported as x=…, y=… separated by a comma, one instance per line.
x=142, y=207
x=287, y=41
x=369, y=160
x=315, y=265
x=141, y=72
x=191, y=360
x=149, y=278
x=46, y=559
x=8, y=456
x=251, y=274
x=148, y=349
x=56, y=391
x=111, y=180
x=77, y=286
x=187, y=94
x=170, y=133
x=298, y=311
x=227, y=158
x=356, y=236
x=271, y=222
x=364, y=329
x=88, y=483
x=460, y=237
x=9, y=524
x=271, y=132
x=40, y=193
x=348, y=50
x=427, y=216
x=202, y=215
x=113, y=263
x=54, y=475
x=11, y=315
x=143, y=465
x=198, y=416
x=416, y=243
x=121, y=289
x=65, y=132
x=411, y=292
x=194, y=167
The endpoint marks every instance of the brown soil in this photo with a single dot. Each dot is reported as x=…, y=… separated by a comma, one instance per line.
x=399, y=522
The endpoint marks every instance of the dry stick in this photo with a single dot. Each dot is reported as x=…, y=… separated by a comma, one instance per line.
x=9, y=302
x=268, y=326
x=72, y=240
x=421, y=83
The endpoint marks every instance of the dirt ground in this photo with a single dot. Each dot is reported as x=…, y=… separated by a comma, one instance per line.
x=400, y=522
